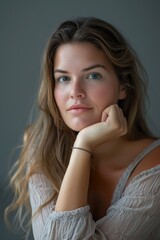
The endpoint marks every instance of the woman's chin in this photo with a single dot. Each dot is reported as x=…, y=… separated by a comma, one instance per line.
x=79, y=127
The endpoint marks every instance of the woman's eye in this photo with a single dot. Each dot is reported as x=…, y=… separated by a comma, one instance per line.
x=63, y=79
x=94, y=76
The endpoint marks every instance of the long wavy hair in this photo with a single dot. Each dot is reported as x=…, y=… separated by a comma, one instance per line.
x=48, y=144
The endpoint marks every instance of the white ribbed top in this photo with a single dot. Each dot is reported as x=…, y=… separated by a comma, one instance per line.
x=133, y=215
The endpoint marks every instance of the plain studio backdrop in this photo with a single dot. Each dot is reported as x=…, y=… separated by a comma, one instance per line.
x=25, y=27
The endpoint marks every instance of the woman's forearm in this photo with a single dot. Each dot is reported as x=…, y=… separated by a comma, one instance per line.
x=74, y=189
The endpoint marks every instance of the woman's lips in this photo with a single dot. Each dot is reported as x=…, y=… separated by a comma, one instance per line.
x=79, y=108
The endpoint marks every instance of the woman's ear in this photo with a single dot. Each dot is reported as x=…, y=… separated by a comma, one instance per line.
x=122, y=92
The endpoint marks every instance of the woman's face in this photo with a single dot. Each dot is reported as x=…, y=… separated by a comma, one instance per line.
x=85, y=84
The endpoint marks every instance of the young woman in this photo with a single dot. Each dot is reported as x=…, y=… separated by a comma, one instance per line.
x=90, y=168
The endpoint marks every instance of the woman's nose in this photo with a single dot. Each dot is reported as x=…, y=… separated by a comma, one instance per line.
x=77, y=89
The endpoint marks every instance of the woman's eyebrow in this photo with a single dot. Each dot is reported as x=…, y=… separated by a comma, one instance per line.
x=83, y=70
x=94, y=66
x=60, y=71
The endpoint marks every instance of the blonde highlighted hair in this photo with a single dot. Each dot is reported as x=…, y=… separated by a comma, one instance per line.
x=47, y=146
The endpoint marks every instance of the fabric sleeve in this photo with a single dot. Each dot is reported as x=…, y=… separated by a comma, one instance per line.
x=50, y=224
x=136, y=215
x=40, y=190
x=72, y=225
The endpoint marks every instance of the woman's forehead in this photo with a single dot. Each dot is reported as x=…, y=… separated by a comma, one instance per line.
x=80, y=55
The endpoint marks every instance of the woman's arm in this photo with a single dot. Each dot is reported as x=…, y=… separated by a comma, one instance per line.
x=74, y=188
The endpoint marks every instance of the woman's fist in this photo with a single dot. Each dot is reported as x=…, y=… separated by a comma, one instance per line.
x=113, y=125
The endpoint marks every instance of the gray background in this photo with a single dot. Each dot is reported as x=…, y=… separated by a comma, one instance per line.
x=24, y=29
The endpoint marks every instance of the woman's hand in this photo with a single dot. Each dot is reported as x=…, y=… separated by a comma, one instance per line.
x=113, y=125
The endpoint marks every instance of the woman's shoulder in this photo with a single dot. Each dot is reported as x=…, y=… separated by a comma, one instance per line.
x=148, y=158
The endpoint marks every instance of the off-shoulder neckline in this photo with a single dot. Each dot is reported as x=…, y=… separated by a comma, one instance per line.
x=123, y=180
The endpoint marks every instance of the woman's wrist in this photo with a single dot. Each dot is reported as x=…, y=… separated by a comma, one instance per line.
x=81, y=142
x=83, y=149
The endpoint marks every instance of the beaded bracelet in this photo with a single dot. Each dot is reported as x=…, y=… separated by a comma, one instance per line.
x=83, y=150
